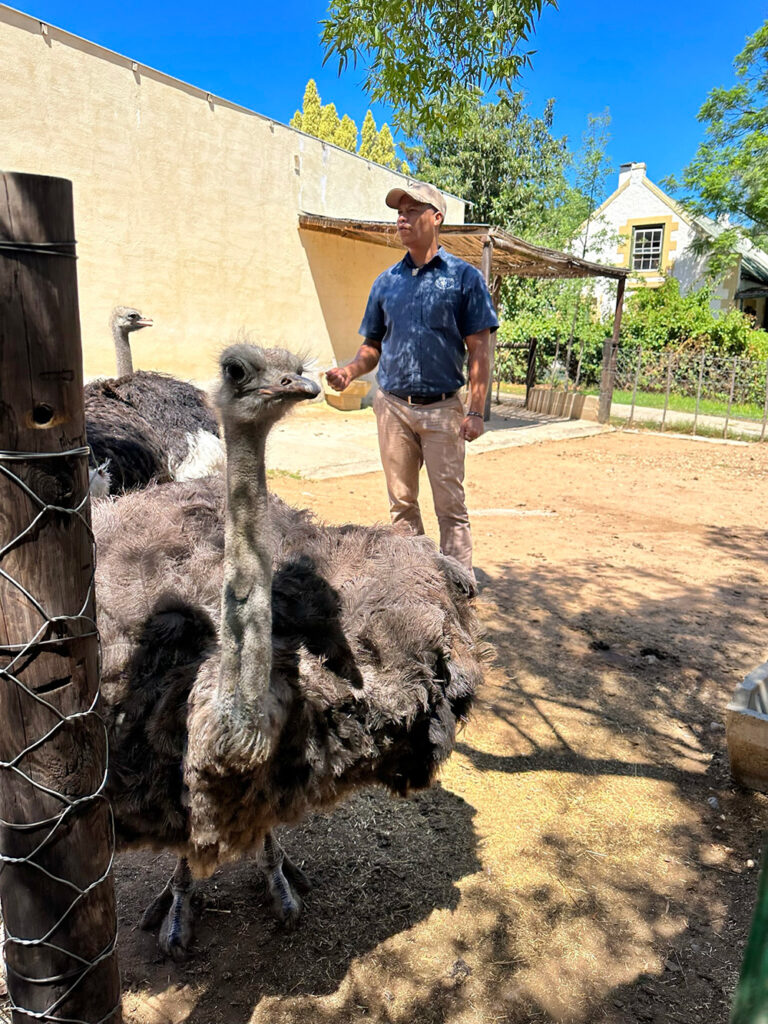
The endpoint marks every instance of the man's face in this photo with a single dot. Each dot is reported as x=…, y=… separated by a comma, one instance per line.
x=416, y=222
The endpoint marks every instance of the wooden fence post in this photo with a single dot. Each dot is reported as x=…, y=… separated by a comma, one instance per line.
x=610, y=348
x=530, y=370
x=486, y=266
x=56, y=838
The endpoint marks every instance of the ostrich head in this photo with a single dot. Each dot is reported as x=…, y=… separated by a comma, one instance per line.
x=123, y=321
x=126, y=319
x=259, y=385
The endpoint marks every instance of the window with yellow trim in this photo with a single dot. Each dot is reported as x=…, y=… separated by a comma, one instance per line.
x=647, y=247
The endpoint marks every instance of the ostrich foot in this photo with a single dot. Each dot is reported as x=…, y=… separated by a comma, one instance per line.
x=283, y=877
x=172, y=910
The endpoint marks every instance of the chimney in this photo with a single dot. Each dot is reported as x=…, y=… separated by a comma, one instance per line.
x=631, y=172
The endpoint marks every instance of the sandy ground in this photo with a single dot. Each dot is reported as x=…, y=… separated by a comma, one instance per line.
x=586, y=856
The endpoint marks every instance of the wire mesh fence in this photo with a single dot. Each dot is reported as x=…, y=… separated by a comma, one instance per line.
x=77, y=965
x=570, y=365
x=683, y=391
x=697, y=392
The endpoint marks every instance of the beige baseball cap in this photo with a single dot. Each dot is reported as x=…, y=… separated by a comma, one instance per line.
x=421, y=192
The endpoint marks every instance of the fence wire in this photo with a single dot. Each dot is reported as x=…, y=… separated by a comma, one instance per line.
x=696, y=391
x=76, y=626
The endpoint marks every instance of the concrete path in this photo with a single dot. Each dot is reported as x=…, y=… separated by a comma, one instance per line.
x=318, y=442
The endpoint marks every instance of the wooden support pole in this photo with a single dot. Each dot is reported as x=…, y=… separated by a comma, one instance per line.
x=52, y=766
x=530, y=370
x=610, y=348
x=486, y=266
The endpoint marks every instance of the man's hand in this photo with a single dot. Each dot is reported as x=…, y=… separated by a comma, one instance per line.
x=339, y=377
x=472, y=427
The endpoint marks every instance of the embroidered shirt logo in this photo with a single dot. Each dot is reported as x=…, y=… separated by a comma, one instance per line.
x=443, y=283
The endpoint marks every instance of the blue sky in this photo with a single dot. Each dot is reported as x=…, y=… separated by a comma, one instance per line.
x=650, y=64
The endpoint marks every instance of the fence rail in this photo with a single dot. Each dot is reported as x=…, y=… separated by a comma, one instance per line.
x=698, y=391
x=694, y=392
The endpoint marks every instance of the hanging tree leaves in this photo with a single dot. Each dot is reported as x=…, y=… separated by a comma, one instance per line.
x=420, y=56
x=727, y=180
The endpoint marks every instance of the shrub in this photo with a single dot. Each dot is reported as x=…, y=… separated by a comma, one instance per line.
x=552, y=329
x=662, y=318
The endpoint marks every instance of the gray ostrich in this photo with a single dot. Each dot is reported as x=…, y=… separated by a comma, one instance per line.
x=259, y=665
x=148, y=426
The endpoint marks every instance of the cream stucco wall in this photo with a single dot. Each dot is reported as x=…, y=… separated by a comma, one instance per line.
x=186, y=206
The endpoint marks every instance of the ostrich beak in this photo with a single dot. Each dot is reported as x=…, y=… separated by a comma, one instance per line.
x=294, y=386
x=144, y=322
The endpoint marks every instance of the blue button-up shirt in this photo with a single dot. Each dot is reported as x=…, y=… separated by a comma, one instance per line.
x=421, y=317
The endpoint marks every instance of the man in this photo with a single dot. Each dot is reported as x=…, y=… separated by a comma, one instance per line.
x=423, y=316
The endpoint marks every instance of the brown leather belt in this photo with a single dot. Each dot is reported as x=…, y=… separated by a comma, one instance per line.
x=421, y=399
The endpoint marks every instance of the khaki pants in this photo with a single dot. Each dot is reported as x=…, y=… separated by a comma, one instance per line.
x=412, y=436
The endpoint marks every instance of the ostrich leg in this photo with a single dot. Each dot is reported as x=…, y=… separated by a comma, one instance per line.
x=283, y=878
x=173, y=907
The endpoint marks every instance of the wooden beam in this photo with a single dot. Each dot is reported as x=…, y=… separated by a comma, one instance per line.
x=41, y=382
x=512, y=255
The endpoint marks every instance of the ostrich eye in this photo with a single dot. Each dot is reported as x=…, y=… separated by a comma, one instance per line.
x=235, y=372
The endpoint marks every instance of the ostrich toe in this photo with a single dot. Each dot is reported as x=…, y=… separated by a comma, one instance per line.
x=296, y=875
x=157, y=910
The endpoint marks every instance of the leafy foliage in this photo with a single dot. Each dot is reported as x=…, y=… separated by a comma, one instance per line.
x=428, y=59
x=368, y=135
x=727, y=180
x=507, y=163
x=592, y=167
x=346, y=134
x=661, y=318
x=324, y=123
x=308, y=118
x=329, y=123
x=553, y=323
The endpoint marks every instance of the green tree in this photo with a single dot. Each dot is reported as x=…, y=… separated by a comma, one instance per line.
x=592, y=167
x=437, y=52
x=308, y=118
x=346, y=134
x=329, y=123
x=384, y=149
x=507, y=163
x=324, y=123
x=368, y=137
x=727, y=180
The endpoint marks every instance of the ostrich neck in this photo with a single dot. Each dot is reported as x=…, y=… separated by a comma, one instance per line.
x=122, y=351
x=246, y=619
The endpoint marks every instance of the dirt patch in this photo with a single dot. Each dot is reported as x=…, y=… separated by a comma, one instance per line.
x=585, y=857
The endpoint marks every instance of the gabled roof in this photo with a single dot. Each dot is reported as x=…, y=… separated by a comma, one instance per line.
x=652, y=187
x=754, y=261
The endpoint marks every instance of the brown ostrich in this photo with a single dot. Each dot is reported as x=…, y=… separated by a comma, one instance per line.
x=240, y=696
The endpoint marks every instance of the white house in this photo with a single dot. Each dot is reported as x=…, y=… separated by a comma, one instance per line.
x=642, y=228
